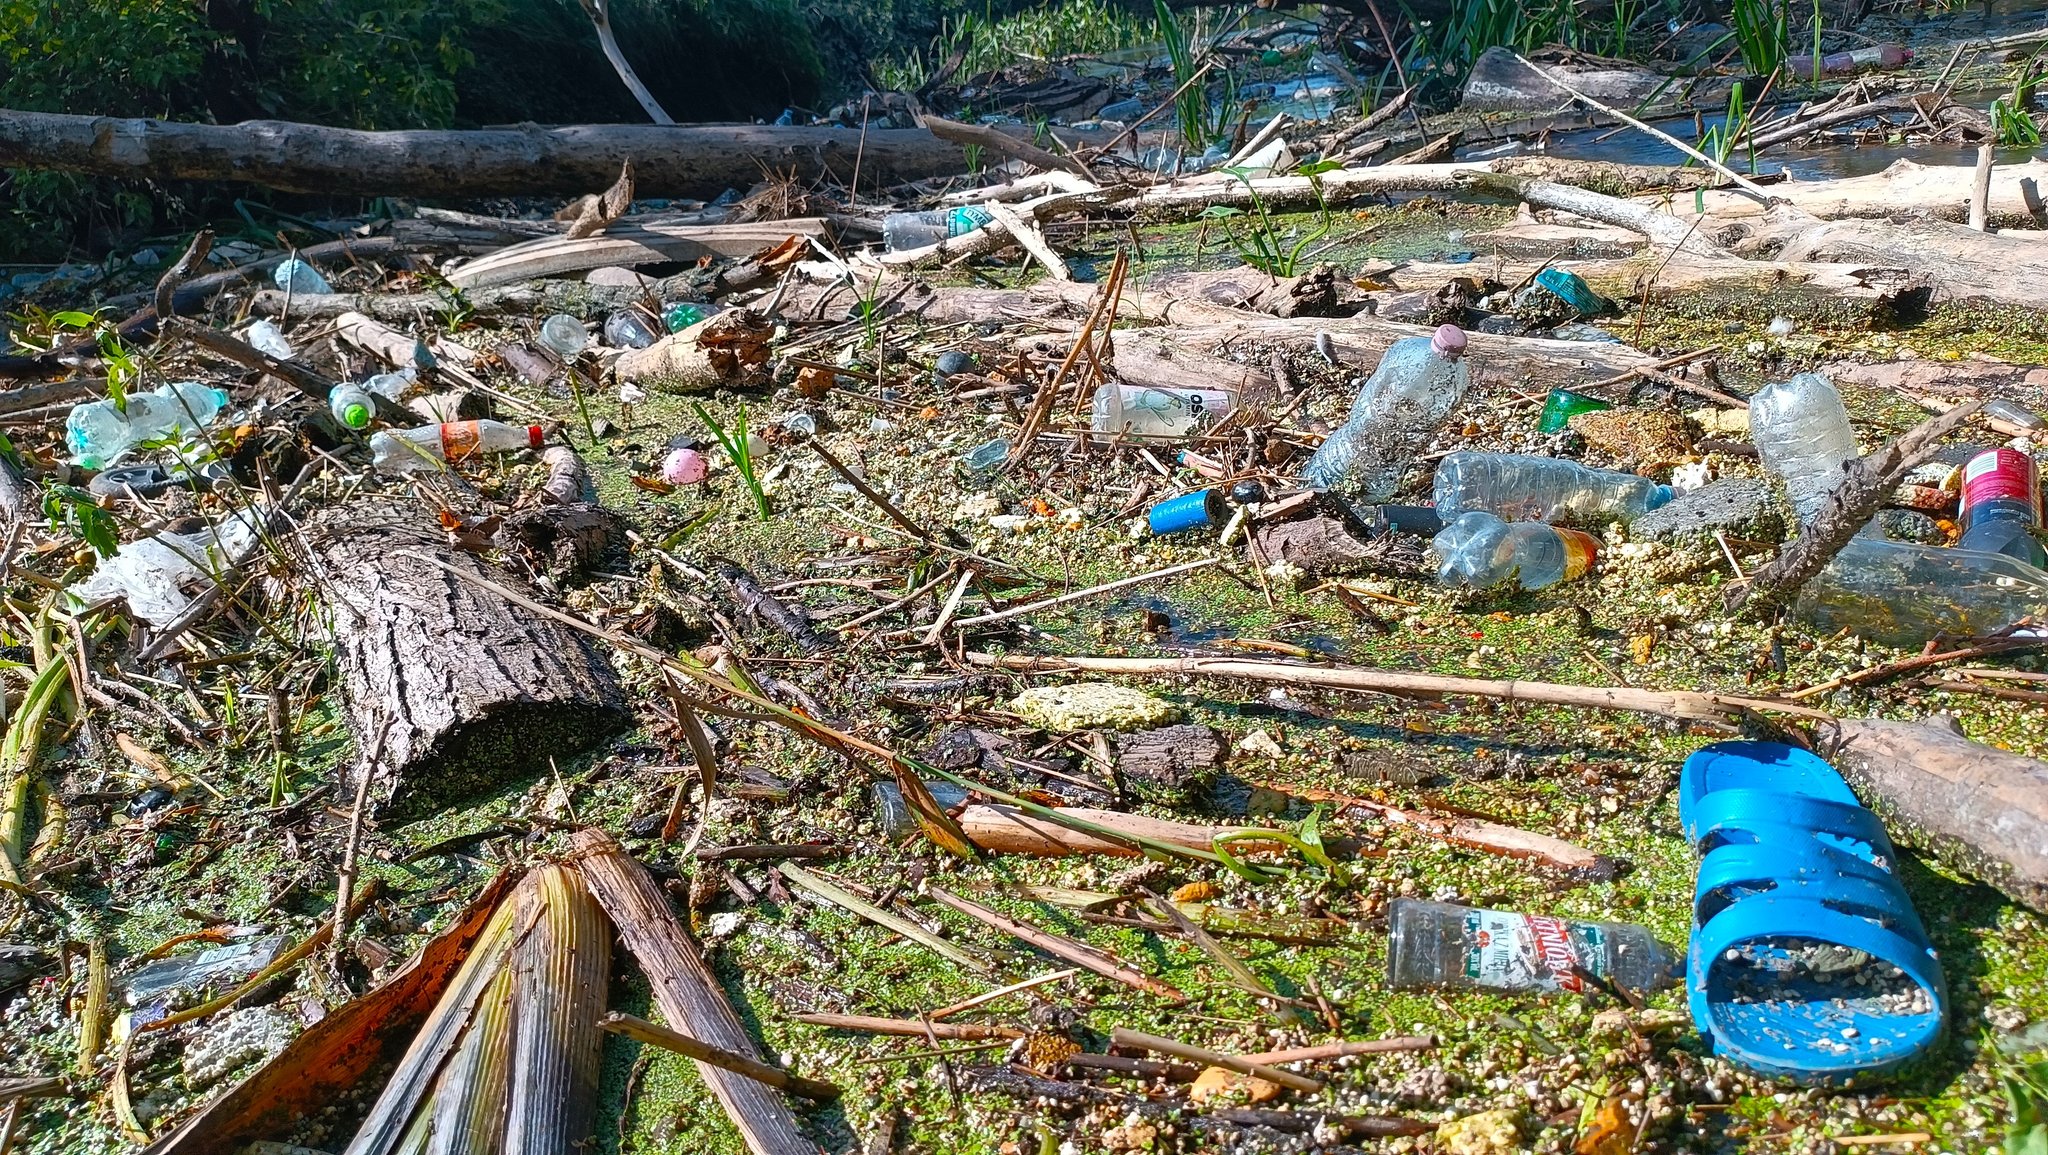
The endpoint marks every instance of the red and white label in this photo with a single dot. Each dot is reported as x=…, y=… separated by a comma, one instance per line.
x=459, y=439
x=2002, y=475
x=1554, y=951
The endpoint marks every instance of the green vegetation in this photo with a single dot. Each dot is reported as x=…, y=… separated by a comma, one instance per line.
x=2012, y=117
x=1762, y=32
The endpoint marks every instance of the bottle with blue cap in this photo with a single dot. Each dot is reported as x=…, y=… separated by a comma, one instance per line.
x=1525, y=487
x=100, y=434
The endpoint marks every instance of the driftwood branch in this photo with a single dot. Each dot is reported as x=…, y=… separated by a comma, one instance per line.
x=993, y=140
x=1864, y=486
x=599, y=12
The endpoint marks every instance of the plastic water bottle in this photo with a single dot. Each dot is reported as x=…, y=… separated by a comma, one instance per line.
x=1854, y=60
x=2002, y=506
x=916, y=230
x=1902, y=594
x=563, y=336
x=296, y=276
x=1482, y=551
x=1802, y=434
x=425, y=446
x=626, y=329
x=684, y=314
x=100, y=435
x=265, y=337
x=1437, y=945
x=351, y=405
x=1523, y=487
x=1151, y=412
x=1401, y=406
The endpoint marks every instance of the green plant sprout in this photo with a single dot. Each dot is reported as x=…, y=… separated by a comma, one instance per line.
x=1260, y=245
x=1304, y=838
x=2012, y=119
x=734, y=441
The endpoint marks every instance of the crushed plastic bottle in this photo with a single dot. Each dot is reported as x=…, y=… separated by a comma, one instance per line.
x=1438, y=946
x=916, y=230
x=2001, y=507
x=563, y=336
x=627, y=329
x=1854, y=60
x=266, y=337
x=1148, y=412
x=1524, y=487
x=192, y=972
x=1409, y=396
x=987, y=457
x=100, y=435
x=1901, y=593
x=1482, y=551
x=1802, y=434
x=426, y=446
x=2014, y=412
x=150, y=573
x=297, y=277
x=684, y=314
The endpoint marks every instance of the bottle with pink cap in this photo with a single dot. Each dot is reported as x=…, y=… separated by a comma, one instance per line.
x=1408, y=398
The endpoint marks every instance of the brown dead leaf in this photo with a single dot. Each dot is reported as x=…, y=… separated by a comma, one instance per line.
x=1610, y=1132
x=783, y=255
x=588, y=215
x=143, y=756
x=1217, y=1082
x=1641, y=647
x=931, y=817
x=812, y=383
x=1195, y=892
x=653, y=484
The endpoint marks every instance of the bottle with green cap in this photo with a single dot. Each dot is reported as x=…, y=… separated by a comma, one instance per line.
x=351, y=405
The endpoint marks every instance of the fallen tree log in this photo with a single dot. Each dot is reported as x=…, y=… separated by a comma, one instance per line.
x=1905, y=187
x=1980, y=810
x=1961, y=263
x=528, y=160
x=652, y=243
x=476, y=690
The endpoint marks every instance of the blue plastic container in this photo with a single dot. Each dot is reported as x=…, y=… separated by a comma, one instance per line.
x=1571, y=289
x=1195, y=510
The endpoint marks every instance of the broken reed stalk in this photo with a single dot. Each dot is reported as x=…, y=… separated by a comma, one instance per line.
x=1140, y=1041
x=1014, y=988
x=1041, y=405
x=1339, y=1050
x=682, y=1044
x=92, y=1017
x=1692, y=705
x=686, y=990
x=912, y=1028
x=1059, y=946
x=345, y=883
x=1246, y=980
x=509, y=1057
x=847, y=900
x=1865, y=484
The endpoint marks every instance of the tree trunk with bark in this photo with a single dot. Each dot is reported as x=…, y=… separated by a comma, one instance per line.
x=527, y=160
x=476, y=691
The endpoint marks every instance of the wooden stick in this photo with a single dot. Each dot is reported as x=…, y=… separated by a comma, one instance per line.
x=1077, y=595
x=686, y=990
x=840, y=897
x=1918, y=662
x=682, y=1044
x=1479, y=834
x=1980, y=191
x=1059, y=946
x=1688, y=704
x=910, y=1027
x=1339, y=1050
x=995, y=141
x=1139, y=1040
x=1009, y=830
x=992, y=996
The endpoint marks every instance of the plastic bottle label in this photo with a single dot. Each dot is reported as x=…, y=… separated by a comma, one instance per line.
x=459, y=439
x=1527, y=952
x=2001, y=475
x=1581, y=550
x=966, y=219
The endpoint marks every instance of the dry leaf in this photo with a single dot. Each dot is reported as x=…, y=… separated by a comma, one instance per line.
x=1195, y=892
x=1610, y=1132
x=931, y=817
x=653, y=484
x=1216, y=1082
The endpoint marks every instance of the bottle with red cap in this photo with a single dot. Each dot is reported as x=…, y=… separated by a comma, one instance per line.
x=2002, y=506
x=427, y=446
x=1408, y=398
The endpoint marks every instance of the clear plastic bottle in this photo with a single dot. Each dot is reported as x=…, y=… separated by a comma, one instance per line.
x=351, y=405
x=1401, y=406
x=265, y=337
x=422, y=447
x=1438, y=945
x=1803, y=436
x=1482, y=551
x=627, y=329
x=1149, y=412
x=99, y=434
x=1901, y=594
x=916, y=230
x=296, y=276
x=1524, y=487
x=1854, y=60
x=563, y=336
x=2002, y=506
